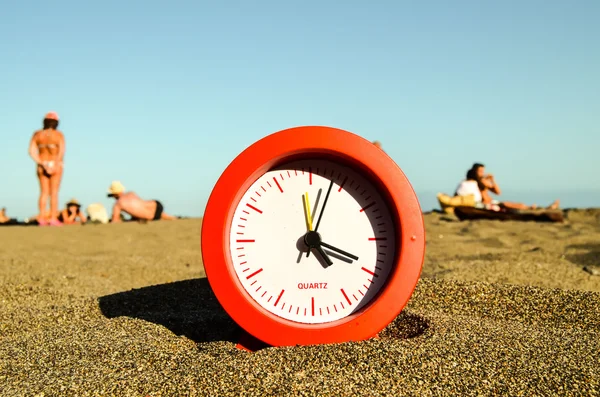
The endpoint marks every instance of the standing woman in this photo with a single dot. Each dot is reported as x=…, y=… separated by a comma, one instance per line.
x=47, y=149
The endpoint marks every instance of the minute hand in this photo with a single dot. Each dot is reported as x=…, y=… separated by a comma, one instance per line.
x=339, y=251
x=322, y=209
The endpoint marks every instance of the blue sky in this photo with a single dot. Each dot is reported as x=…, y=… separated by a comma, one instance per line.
x=163, y=95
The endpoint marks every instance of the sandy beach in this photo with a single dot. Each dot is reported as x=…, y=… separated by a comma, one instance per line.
x=502, y=308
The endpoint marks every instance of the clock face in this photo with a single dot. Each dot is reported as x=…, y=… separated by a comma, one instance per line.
x=349, y=231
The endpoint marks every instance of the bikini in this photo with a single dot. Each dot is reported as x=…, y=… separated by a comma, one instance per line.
x=158, y=212
x=48, y=163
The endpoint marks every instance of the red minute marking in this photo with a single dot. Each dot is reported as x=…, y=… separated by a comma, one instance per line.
x=346, y=296
x=255, y=273
x=367, y=206
x=278, y=185
x=370, y=272
x=279, y=297
x=342, y=185
x=254, y=208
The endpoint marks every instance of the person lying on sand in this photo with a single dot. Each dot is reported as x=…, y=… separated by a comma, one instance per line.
x=481, y=184
x=132, y=204
x=69, y=215
x=488, y=183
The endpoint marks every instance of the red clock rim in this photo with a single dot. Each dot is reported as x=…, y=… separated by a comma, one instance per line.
x=263, y=155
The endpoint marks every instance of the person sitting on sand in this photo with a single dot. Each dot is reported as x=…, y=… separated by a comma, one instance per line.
x=69, y=215
x=481, y=184
x=471, y=187
x=3, y=217
x=132, y=204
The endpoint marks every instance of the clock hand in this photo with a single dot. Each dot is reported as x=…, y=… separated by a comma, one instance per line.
x=324, y=255
x=313, y=240
x=322, y=209
x=307, y=216
x=339, y=251
x=324, y=204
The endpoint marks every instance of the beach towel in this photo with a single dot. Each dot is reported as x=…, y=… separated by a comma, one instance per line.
x=540, y=215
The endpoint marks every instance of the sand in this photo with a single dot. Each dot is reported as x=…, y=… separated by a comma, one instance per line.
x=502, y=308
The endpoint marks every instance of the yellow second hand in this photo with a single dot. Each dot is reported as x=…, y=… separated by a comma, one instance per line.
x=308, y=212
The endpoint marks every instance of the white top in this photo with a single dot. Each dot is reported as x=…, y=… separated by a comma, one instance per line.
x=97, y=212
x=469, y=187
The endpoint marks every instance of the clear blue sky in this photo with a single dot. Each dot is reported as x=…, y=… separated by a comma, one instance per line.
x=163, y=95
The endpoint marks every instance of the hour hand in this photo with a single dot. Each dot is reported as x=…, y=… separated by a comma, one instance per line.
x=324, y=255
x=313, y=240
x=339, y=251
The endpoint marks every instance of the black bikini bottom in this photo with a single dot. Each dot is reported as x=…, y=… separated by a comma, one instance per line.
x=159, y=211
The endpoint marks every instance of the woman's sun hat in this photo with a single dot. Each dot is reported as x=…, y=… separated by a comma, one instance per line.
x=51, y=116
x=73, y=202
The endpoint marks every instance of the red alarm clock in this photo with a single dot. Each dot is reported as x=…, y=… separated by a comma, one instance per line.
x=313, y=235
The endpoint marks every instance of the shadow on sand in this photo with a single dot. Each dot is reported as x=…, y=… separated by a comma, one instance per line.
x=187, y=308
x=190, y=308
x=590, y=260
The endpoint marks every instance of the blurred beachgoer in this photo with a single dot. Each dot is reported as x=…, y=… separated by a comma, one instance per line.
x=3, y=217
x=69, y=215
x=378, y=144
x=6, y=220
x=47, y=149
x=97, y=213
x=132, y=204
x=487, y=183
x=470, y=186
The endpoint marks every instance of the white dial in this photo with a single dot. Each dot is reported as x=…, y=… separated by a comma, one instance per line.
x=269, y=250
